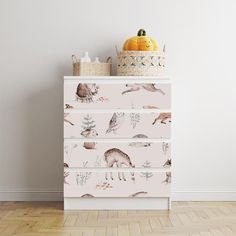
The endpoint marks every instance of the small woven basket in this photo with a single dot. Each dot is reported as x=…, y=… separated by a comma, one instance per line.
x=140, y=63
x=91, y=68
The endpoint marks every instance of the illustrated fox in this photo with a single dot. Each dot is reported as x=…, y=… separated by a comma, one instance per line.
x=163, y=117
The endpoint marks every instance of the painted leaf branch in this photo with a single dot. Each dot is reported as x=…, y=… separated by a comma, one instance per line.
x=147, y=175
x=82, y=177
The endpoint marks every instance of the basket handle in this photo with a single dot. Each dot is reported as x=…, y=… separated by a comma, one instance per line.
x=109, y=60
x=164, y=48
x=117, y=51
x=74, y=59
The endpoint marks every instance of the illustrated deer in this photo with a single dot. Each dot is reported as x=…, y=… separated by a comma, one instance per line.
x=116, y=156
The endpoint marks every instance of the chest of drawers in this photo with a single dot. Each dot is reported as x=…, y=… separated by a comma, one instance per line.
x=117, y=147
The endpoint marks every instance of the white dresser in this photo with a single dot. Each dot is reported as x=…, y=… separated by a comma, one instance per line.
x=117, y=148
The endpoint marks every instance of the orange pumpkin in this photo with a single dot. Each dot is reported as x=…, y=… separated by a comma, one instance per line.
x=141, y=42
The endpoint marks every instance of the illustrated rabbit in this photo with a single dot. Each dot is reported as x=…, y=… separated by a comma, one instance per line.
x=89, y=133
x=116, y=156
x=163, y=117
x=85, y=92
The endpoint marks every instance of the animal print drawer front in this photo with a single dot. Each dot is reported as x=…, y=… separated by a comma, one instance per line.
x=117, y=155
x=117, y=125
x=117, y=184
x=115, y=96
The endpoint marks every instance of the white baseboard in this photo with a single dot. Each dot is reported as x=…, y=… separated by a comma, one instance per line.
x=39, y=194
x=42, y=194
x=203, y=195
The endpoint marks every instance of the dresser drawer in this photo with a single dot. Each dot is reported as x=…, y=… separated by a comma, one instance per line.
x=117, y=125
x=116, y=95
x=117, y=154
x=123, y=184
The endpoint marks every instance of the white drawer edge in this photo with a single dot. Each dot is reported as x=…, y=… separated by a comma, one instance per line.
x=102, y=81
x=115, y=170
x=108, y=140
x=116, y=110
x=108, y=78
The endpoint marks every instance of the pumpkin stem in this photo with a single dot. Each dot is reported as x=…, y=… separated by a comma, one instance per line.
x=141, y=32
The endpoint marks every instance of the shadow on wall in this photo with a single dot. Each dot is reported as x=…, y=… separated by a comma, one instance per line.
x=44, y=135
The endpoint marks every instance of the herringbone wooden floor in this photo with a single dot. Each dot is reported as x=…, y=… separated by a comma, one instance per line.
x=185, y=218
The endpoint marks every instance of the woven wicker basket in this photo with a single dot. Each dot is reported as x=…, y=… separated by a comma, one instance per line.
x=91, y=68
x=140, y=63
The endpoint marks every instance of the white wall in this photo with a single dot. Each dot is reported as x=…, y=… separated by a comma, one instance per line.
x=37, y=39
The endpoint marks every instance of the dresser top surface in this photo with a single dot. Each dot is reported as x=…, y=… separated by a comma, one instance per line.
x=118, y=79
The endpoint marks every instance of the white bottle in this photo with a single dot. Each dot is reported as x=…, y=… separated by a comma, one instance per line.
x=97, y=60
x=85, y=58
